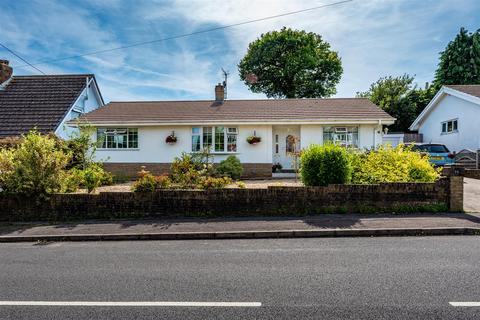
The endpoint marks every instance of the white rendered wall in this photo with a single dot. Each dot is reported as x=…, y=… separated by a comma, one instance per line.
x=449, y=108
x=90, y=104
x=152, y=146
x=153, y=149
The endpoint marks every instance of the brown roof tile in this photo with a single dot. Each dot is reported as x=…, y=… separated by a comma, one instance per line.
x=37, y=101
x=268, y=110
x=473, y=89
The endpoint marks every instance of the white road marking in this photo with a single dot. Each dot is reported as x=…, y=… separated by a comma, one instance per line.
x=131, y=303
x=465, y=304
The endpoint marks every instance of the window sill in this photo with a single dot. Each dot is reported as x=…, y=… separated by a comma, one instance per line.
x=118, y=149
x=217, y=153
x=451, y=132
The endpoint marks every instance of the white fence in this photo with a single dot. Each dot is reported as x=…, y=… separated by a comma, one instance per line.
x=394, y=139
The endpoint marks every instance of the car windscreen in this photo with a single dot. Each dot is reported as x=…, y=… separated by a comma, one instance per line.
x=431, y=148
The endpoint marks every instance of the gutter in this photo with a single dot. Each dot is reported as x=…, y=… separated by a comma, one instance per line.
x=236, y=122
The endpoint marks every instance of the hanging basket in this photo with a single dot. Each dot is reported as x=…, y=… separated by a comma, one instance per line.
x=171, y=139
x=254, y=140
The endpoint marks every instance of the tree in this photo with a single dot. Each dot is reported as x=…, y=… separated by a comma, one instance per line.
x=291, y=64
x=460, y=61
x=400, y=98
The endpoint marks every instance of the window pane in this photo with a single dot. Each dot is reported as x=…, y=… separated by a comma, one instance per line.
x=354, y=141
x=444, y=127
x=290, y=144
x=111, y=141
x=207, y=137
x=450, y=126
x=455, y=125
x=195, y=130
x=195, y=143
x=344, y=136
x=101, y=141
x=219, y=139
x=133, y=138
x=121, y=140
x=231, y=142
x=327, y=134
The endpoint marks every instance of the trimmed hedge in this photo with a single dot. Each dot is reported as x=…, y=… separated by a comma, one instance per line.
x=324, y=165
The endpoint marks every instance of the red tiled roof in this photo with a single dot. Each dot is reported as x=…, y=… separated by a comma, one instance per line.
x=37, y=101
x=268, y=110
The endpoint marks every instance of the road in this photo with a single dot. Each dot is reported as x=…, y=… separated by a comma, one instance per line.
x=338, y=278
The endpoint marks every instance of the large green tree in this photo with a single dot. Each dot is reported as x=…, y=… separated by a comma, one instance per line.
x=291, y=64
x=460, y=61
x=399, y=97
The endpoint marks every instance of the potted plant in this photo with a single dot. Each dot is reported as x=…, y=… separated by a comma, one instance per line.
x=276, y=166
x=254, y=139
x=171, y=139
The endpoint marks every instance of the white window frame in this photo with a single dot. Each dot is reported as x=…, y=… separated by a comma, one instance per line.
x=112, y=131
x=339, y=131
x=226, y=132
x=446, y=123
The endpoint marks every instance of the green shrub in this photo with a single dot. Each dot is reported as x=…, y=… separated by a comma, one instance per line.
x=214, y=183
x=388, y=164
x=93, y=177
x=241, y=185
x=149, y=183
x=7, y=169
x=187, y=170
x=81, y=147
x=230, y=167
x=73, y=180
x=146, y=183
x=163, y=182
x=35, y=168
x=323, y=165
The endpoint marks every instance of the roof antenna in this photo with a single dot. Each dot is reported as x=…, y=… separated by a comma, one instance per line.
x=225, y=76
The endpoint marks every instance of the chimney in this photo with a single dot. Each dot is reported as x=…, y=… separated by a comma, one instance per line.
x=5, y=71
x=219, y=93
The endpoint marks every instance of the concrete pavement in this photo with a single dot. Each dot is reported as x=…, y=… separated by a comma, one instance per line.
x=361, y=278
x=471, y=197
x=251, y=227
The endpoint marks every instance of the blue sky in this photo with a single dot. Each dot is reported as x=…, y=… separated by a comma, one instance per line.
x=374, y=38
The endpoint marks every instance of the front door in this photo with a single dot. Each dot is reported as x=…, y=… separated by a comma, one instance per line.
x=286, y=141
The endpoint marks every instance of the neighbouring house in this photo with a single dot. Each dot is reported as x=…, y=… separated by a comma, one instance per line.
x=44, y=102
x=452, y=118
x=153, y=133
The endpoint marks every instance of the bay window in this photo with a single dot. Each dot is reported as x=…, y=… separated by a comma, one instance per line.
x=344, y=136
x=215, y=139
x=117, y=138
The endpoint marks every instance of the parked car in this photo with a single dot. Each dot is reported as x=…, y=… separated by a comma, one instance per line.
x=439, y=153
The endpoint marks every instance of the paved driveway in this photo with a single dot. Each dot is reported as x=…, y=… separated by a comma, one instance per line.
x=471, y=201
